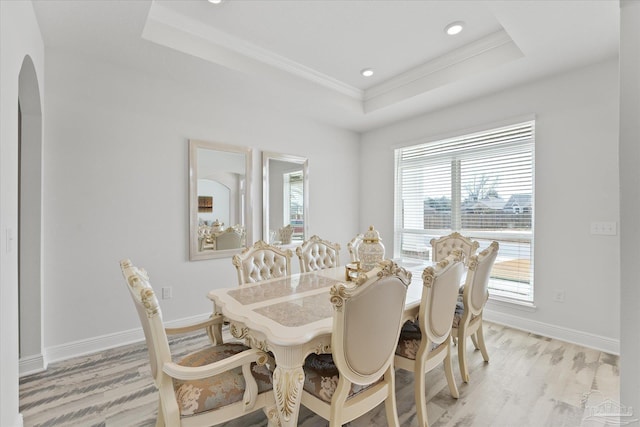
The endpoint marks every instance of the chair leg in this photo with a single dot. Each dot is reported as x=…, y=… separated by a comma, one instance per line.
x=160, y=417
x=448, y=371
x=390, y=402
x=420, y=391
x=337, y=402
x=475, y=341
x=483, y=347
x=462, y=356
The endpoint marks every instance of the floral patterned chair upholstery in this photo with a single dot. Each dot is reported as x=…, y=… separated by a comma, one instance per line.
x=317, y=254
x=467, y=320
x=208, y=387
x=442, y=247
x=353, y=245
x=425, y=343
x=262, y=262
x=359, y=374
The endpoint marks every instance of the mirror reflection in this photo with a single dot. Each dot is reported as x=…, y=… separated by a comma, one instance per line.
x=285, y=198
x=219, y=195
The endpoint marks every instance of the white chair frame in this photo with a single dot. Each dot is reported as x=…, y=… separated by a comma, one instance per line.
x=474, y=298
x=366, y=324
x=439, y=296
x=164, y=370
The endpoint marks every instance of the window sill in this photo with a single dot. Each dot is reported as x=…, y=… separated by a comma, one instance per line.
x=496, y=301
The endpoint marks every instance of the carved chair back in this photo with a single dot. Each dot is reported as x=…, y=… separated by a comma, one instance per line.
x=317, y=254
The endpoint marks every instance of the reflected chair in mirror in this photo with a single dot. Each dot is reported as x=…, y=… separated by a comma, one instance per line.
x=231, y=238
x=467, y=321
x=442, y=247
x=353, y=245
x=425, y=343
x=262, y=261
x=359, y=375
x=317, y=254
x=285, y=234
x=215, y=384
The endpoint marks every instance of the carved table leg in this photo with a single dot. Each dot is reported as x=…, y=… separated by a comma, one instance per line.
x=287, y=388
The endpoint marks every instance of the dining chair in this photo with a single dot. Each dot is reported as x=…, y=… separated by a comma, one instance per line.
x=467, y=321
x=317, y=254
x=442, y=247
x=210, y=386
x=359, y=375
x=353, y=245
x=231, y=238
x=425, y=343
x=262, y=261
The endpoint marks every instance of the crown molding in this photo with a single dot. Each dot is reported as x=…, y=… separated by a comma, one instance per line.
x=161, y=17
x=487, y=52
x=169, y=28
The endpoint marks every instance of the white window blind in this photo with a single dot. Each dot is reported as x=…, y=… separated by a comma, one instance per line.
x=480, y=185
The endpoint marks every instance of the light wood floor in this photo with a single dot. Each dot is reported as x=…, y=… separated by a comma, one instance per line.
x=530, y=381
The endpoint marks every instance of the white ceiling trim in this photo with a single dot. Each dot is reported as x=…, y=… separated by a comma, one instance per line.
x=162, y=21
x=485, y=53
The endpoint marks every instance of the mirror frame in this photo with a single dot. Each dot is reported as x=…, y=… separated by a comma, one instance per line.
x=194, y=145
x=266, y=156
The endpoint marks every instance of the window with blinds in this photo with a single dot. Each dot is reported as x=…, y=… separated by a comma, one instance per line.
x=480, y=185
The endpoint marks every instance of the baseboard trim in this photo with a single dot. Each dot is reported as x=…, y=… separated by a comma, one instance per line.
x=31, y=365
x=93, y=345
x=585, y=339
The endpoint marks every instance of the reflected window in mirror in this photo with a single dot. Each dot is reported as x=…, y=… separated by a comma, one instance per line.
x=285, y=198
x=219, y=196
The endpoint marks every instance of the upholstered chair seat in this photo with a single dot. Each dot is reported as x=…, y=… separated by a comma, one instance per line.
x=322, y=376
x=262, y=262
x=317, y=254
x=409, y=341
x=206, y=394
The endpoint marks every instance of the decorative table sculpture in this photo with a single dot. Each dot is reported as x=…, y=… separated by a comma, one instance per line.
x=371, y=250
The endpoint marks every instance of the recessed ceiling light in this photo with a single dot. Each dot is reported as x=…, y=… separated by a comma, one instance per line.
x=215, y=1
x=454, y=28
x=367, y=72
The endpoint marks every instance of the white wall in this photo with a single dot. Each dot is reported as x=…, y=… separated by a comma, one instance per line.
x=116, y=180
x=576, y=182
x=19, y=36
x=630, y=204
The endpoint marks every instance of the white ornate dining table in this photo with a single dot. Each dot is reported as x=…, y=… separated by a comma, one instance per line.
x=292, y=317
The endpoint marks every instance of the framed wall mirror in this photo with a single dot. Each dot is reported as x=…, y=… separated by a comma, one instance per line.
x=219, y=199
x=285, y=194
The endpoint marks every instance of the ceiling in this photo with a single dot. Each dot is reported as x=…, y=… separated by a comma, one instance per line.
x=306, y=56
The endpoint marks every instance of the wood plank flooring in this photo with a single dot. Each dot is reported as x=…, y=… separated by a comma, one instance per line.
x=529, y=381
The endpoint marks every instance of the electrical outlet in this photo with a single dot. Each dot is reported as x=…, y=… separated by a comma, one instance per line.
x=607, y=228
x=559, y=295
x=167, y=293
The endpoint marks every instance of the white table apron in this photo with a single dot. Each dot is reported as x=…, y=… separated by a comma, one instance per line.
x=292, y=317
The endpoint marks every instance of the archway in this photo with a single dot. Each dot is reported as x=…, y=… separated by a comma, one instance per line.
x=30, y=219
